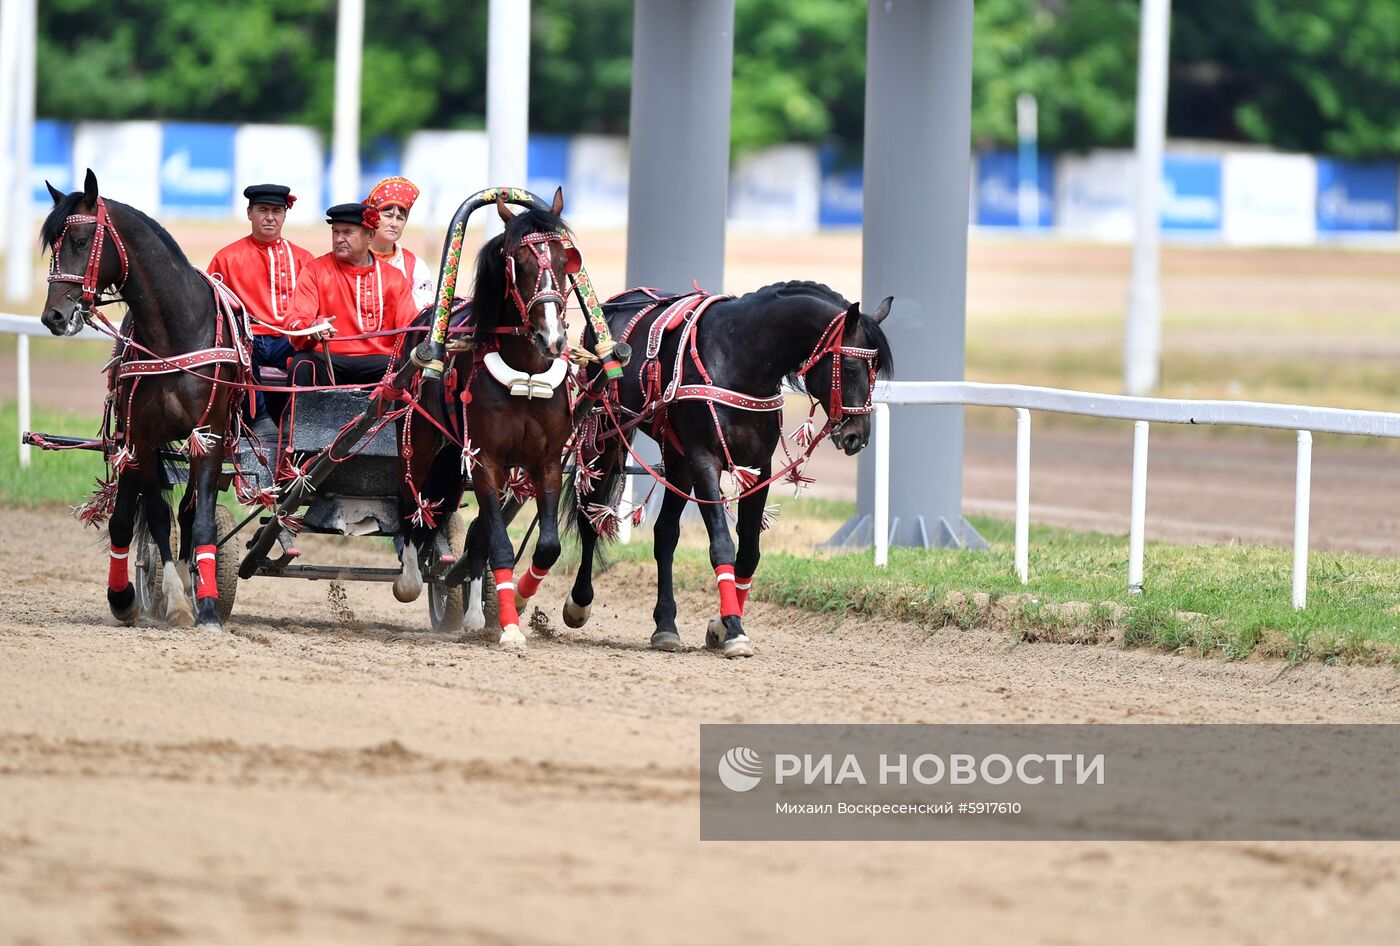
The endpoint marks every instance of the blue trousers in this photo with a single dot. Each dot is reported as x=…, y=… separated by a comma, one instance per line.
x=271, y=351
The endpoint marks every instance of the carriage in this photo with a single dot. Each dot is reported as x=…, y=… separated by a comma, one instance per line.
x=395, y=460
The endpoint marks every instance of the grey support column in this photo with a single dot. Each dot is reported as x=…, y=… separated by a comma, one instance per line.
x=918, y=117
x=678, y=188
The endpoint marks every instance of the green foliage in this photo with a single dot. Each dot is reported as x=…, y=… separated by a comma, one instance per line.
x=1320, y=76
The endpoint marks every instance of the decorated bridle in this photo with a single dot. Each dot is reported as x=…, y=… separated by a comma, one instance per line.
x=539, y=244
x=88, y=280
x=830, y=344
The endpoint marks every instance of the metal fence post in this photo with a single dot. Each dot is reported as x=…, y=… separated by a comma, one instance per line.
x=1302, y=498
x=1138, y=520
x=1023, y=493
x=22, y=382
x=882, y=485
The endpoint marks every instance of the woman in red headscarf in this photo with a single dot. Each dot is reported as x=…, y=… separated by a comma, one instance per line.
x=393, y=197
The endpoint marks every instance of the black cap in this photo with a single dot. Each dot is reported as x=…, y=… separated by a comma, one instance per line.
x=353, y=213
x=277, y=195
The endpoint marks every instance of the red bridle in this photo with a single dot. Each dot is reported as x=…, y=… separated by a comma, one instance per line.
x=830, y=344
x=88, y=279
x=539, y=244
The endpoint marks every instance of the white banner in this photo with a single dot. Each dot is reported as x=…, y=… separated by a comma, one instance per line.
x=1094, y=195
x=777, y=190
x=281, y=154
x=1270, y=199
x=596, y=195
x=448, y=167
x=126, y=158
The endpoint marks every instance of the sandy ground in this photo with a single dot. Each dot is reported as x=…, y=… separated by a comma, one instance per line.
x=336, y=773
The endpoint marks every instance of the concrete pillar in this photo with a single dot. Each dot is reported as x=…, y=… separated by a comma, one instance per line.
x=918, y=118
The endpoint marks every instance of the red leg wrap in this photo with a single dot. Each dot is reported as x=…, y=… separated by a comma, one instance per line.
x=530, y=582
x=505, y=594
x=206, y=561
x=116, y=569
x=728, y=595
x=741, y=590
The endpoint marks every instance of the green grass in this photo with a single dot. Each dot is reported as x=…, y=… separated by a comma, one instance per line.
x=54, y=476
x=1232, y=602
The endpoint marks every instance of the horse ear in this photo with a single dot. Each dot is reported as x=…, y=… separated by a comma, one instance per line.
x=879, y=314
x=558, y=206
x=501, y=208
x=55, y=193
x=90, y=187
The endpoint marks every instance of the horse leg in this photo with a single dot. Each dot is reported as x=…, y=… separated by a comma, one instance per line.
x=665, y=534
x=184, y=518
x=750, y=528
x=121, y=597
x=409, y=585
x=486, y=484
x=579, y=604
x=734, y=642
x=478, y=547
x=177, y=601
x=547, y=546
x=204, y=475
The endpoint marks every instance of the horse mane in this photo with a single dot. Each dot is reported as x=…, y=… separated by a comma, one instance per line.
x=54, y=223
x=874, y=333
x=489, y=290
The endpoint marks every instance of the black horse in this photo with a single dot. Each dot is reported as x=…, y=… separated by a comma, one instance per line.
x=512, y=384
x=159, y=392
x=723, y=414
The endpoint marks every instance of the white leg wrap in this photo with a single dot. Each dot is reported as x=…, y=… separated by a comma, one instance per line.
x=475, y=618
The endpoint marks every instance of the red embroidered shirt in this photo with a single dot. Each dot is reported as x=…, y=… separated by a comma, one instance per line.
x=263, y=276
x=356, y=299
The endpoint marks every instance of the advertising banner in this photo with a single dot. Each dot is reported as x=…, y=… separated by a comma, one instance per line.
x=448, y=167
x=1356, y=197
x=598, y=173
x=776, y=190
x=843, y=192
x=1094, y=195
x=196, y=170
x=280, y=154
x=125, y=156
x=548, y=167
x=998, y=190
x=1270, y=199
x=53, y=160
x=1191, y=200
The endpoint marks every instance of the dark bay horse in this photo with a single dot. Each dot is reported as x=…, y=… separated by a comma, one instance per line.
x=180, y=335
x=709, y=391
x=513, y=388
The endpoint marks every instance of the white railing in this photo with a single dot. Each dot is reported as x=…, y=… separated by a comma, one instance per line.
x=24, y=326
x=1142, y=411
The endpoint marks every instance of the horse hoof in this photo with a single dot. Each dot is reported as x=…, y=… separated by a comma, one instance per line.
x=408, y=589
x=123, y=605
x=474, y=621
x=738, y=646
x=714, y=634
x=215, y=626
x=179, y=617
x=576, y=615
x=668, y=641
x=512, y=641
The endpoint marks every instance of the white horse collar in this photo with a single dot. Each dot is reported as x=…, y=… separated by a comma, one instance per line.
x=521, y=384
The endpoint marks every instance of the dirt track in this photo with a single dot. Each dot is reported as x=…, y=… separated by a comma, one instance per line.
x=339, y=774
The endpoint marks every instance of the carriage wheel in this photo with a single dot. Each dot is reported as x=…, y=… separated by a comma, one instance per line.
x=150, y=592
x=446, y=605
x=226, y=564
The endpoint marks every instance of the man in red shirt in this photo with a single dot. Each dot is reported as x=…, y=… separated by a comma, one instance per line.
x=262, y=270
x=358, y=294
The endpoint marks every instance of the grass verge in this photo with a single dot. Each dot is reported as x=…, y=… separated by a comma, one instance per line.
x=1225, y=601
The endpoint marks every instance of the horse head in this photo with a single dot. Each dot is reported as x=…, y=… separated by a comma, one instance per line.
x=76, y=232
x=539, y=257
x=842, y=376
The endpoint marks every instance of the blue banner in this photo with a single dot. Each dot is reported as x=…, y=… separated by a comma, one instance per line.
x=998, y=185
x=53, y=160
x=548, y=161
x=1355, y=197
x=196, y=170
x=843, y=193
x=1191, y=194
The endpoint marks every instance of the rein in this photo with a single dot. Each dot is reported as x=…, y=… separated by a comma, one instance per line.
x=88, y=280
